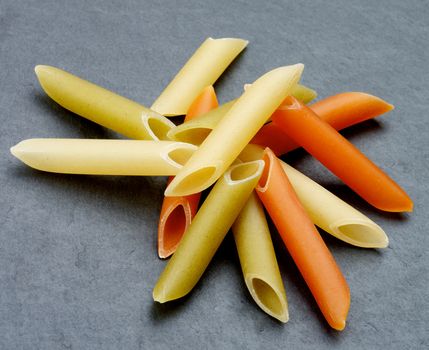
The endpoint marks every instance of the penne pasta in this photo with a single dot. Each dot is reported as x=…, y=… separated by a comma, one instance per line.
x=203, y=103
x=340, y=156
x=204, y=67
x=349, y=108
x=309, y=252
x=104, y=157
x=335, y=216
x=175, y=218
x=207, y=230
x=195, y=131
x=234, y=131
x=258, y=260
x=304, y=93
x=340, y=111
x=102, y=106
x=326, y=210
x=301, y=92
x=177, y=212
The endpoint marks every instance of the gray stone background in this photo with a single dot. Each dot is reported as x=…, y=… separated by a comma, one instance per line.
x=78, y=253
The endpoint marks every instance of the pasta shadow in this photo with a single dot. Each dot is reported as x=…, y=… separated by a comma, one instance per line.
x=81, y=127
x=161, y=312
x=349, y=196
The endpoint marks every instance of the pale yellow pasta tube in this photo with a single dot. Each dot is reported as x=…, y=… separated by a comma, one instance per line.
x=102, y=106
x=234, y=131
x=258, y=260
x=104, y=157
x=196, y=130
x=301, y=92
x=304, y=93
x=327, y=211
x=204, y=67
x=207, y=230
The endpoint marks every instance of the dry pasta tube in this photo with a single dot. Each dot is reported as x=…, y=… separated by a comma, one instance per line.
x=304, y=93
x=340, y=111
x=178, y=212
x=204, y=67
x=207, y=230
x=327, y=211
x=258, y=260
x=310, y=254
x=301, y=92
x=102, y=106
x=195, y=131
x=234, y=131
x=341, y=157
x=104, y=157
x=176, y=216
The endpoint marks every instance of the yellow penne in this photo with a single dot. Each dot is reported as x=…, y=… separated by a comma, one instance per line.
x=258, y=260
x=234, y=131
x=327, y=211
x=204, y=67
x=304, y=93
x=334, y=215
x=207, y=230
x=196, y=130
x=301, y=92
x=102, y=106
x=104, y=157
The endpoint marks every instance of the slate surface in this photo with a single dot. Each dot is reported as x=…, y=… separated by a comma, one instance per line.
x=78, y=253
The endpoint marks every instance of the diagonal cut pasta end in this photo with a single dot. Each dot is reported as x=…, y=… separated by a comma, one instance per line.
x=23, y=151
x=270, y=300
x=45, y=75
x=156, y=125
x=203, y=68
x=178, y=153
x=268, y=158
x=244, y=172
x=17, y=151
x=361, y=233
x=159, y=296
x=301, y=92
x=40, y=69
x=194, y=180
x=172, y=226
x=242, y=42
x=195, y=135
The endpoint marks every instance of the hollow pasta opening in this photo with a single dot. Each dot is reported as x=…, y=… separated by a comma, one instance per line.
x=364, y=233
x=195, y=136
x=265, y=173
x=267, y=296
x=159, y=128
x=195, y=181
x=244, y=171
x=174, y=227
x=181, y=155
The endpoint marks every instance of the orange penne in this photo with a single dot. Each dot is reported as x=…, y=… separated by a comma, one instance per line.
x=340, y=111
x=177, y=212
x=302, y=240
x=321, y=140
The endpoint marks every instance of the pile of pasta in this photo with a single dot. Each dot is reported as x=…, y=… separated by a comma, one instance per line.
x=234, y=147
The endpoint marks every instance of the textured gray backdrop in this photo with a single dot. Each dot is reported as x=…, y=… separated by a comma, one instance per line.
x=78, y=253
